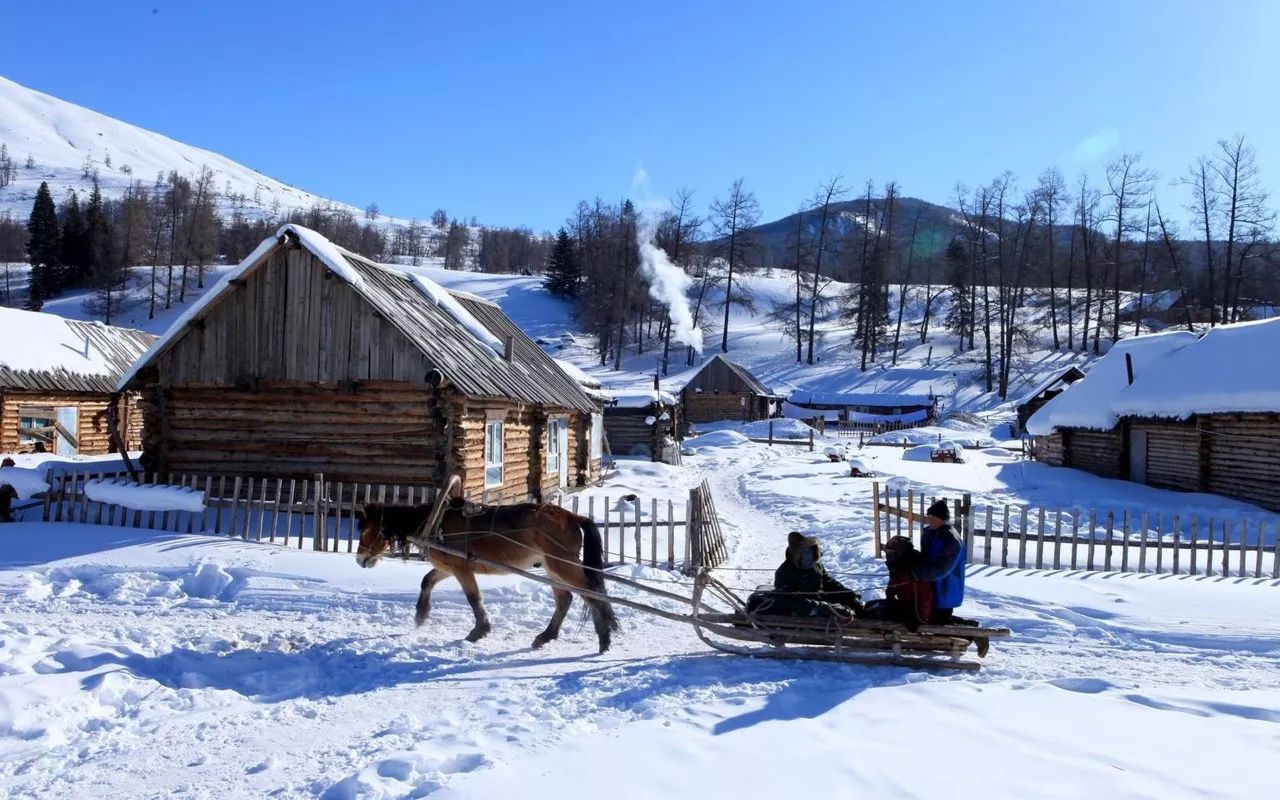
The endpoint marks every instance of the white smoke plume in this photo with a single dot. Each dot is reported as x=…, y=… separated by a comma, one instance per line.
x=668, y=283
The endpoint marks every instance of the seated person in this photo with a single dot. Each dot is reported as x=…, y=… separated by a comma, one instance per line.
x=802, y=587
x=907, y=599
x=941, y=561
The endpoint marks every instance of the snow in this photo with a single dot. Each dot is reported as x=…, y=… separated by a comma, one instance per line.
x=640, y=399
x=45, y=342
x=1087, y=402
x=145, y=498
x=150, y=664
x=26, y=482
x=441, y=297
x=572, y=370
x=858, y=399
x=1230, y=369
x=326, y=251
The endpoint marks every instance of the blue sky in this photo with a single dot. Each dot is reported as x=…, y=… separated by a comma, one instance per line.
x=512, y=112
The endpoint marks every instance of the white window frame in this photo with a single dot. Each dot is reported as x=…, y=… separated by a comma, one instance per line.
x=554, y=424
x=493, y=453
x=597, y=436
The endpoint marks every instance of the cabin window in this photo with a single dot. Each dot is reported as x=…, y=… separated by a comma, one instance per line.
x=28, y=423
x=493, y=453
x=553, y=445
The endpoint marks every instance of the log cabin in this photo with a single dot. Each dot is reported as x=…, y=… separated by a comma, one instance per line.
x=725, y=390
x=307, y=359
x=58, y=382
x=1042, y=393
x=643, y=423
x=1200, y=414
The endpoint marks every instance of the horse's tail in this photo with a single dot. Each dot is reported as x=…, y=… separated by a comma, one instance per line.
x=593, y=560
x=592, y=554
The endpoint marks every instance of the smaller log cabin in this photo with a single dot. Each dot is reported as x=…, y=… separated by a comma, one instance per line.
x=640, y=423
x=725, y=390
x=1200, y=415
x=1036, y=399
x=309, y=359
x=58, y=381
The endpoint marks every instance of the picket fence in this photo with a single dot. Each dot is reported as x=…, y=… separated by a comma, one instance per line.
x=324, y=514
x=1106, y=540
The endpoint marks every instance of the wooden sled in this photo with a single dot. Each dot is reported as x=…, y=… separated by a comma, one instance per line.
x=855, y=641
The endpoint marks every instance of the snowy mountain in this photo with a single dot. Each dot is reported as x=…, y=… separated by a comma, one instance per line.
x=67, y=144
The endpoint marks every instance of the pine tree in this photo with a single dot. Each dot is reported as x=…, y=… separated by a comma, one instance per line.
x=960, y=314
x=97, y=249
x=563, y=272
x=42, y=247
x=74, y=258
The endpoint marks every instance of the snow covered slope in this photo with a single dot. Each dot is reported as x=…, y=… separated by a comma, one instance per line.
x=61, y=137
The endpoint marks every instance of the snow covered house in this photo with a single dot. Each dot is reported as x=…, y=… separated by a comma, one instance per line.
x=308, y=359
x=1201, y=413
x=1045, y=391
x=640, y=422
x=868, y=409
x=725, y=390
x=58, y=379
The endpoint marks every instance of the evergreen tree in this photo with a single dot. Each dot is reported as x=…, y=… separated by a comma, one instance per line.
x=97, y=242
x=42, y=247
x=563, y=272
x=75, y=256
x=960, y=313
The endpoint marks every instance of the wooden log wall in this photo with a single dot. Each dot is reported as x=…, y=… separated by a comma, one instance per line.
x=92, y=430
x=1099, y=452
x=1243, y=457
x=1172, y=454
x=1049, y=449
x=713, y=407
x=381, y=431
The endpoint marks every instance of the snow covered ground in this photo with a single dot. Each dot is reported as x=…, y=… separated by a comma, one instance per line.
x=143, y=664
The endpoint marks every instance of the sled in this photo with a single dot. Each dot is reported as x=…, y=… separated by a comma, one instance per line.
x=946, y=455
x=851, y=641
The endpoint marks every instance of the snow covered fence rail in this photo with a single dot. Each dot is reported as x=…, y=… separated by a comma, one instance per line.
x=1104, y=540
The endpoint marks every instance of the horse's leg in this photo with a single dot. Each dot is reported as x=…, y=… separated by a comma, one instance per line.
x=424, y=597
x=563, y=599
x=601, y=612
x=472, y=590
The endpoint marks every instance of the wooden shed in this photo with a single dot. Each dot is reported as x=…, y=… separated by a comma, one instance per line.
x=640, y=423
x=307, y=359
x=725, y=390
x=1200, y=415
x=58, y=381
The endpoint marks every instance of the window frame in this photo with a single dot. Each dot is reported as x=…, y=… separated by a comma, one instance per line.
x=490, y=464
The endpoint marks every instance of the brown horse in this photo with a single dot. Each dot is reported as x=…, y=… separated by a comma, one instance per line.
x=521, y=535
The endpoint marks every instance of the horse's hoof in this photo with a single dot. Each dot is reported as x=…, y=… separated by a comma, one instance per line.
x=478, y=633
x=604, y=645
x=420, y=618
x=540, y=640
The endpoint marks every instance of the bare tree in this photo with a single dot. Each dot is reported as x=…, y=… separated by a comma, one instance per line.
x=1052, y=191
x=1245, y=215
x=829, y=192
x=1128, y=186
x=731, y=219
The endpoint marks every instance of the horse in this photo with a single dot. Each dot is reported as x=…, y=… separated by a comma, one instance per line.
x=521, y=536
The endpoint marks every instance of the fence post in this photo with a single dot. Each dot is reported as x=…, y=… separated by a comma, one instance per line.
x=319, y=523
x=694, y=532
x=771, y=433
x=875, y=515
x=966, y=518
x=48, y=495
x=811, y=440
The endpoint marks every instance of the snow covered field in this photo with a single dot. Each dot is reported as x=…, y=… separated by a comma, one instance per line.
x=143, y=664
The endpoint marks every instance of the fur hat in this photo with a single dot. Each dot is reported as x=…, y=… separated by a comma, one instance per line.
x=940, y=510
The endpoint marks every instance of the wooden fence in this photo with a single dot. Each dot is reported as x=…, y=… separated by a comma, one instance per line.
x=1105, y=540
x=706, y=541
x=323, y=514
x=771, y=440
x=850, y=429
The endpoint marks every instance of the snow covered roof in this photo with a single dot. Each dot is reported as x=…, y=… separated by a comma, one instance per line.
x=1087, y=403
x=45, y=352
x=803, y=397
x=631, y=398
x=1230, y=369
x=704, y=375
x=1066, y=376
x=466, y=338
x=577, y=374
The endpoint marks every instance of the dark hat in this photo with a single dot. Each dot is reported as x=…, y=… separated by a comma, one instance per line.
x=940, y=510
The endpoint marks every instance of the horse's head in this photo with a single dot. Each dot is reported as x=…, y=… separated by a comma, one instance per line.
x=374, y=542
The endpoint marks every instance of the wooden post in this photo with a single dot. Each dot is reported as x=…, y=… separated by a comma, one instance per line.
x=1093, y=527
x=605, y=532
x=1177, y=541
x=1208, y=540
x=235, y=506
x=771, y=433
x=1022, y=540
x=222, y=495
x=1040, y=541
x=688, y=535
x=671, y=535
x=1195, y=525
x=653, y=532
x=48, y=496
x=1257, y=560
x=875, y=517
x=911, y=504
x=248, y=511
x=966, y=520
x=1243, y=528
x=1057, y=539
x=897, y=507
x=1004, y=539
x=1159, y=542
x=317, y=509
x=1124, y=551
x=811, y=440
x=1111, y=529
x=1142, y=545
x=986, y=555
x=639, y=551
x=1275, y=555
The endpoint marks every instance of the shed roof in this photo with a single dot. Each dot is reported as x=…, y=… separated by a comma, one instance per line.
x=1230, y=369
x=45, y=352
x=1067, y=376
x=753, y=385
x=454, y=331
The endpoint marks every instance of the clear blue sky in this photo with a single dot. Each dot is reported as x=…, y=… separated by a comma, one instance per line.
x=513, y=111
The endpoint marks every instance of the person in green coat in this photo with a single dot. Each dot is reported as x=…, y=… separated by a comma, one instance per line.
x=802, y=587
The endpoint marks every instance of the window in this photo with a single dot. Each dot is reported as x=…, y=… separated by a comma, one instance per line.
x=493, y=453
x=553, y=445
x=26, y=423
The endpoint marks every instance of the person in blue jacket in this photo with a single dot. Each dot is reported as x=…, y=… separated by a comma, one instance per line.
x=941, y=561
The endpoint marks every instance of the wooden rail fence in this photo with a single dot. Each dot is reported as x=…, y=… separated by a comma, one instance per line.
x=324, y=514
x=1092, y=539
